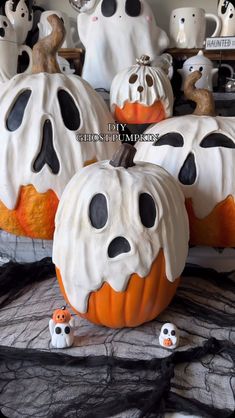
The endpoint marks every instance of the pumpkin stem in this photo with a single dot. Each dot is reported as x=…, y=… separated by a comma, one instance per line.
x=144, y=60
x=44, y=52
x=124, y=156
x=202, y=97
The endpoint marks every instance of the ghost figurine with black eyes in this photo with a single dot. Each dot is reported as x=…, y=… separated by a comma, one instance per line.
x=61, y=328
x=114, y=34
x=169, y=336
x=226, y=12
x=19, y=12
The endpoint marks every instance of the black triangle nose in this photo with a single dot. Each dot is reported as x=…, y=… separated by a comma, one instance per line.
x=188, y=172
x=118, y=246
x=47, y=154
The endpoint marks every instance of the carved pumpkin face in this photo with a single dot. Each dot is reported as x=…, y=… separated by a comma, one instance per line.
x=117, y=239
x=141, y=94
x=61, y=316
x=199, y=151
x=41, y=116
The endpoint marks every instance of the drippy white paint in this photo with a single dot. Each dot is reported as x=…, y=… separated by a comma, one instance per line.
x=215, y=166
x=113, y=43
x=122, y=91
x=19, y=149
x=81, y=252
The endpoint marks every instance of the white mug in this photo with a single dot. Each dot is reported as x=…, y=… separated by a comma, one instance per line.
x=226, y=12
x=45, y=28
x=188, y=27
x=10, y=50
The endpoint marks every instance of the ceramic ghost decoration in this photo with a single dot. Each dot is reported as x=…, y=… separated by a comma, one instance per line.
x=226, y=12
x=199, y=63
x=61, y=328
x=115, y=34
x=169, y=336
x=41, y=116
x=116, y=243
x=19, y=12
x=7, y=31
x=141, y=94
x=199, y=151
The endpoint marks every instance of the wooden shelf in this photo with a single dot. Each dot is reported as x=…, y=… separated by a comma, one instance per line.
x=222, y=55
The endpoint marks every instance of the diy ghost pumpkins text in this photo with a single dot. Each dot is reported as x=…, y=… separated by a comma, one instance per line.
x=199, y=151
x=40, y=118
x=121, y=241
x=115, y=34
x=141, y=94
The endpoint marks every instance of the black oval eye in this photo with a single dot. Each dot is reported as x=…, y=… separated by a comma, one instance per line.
x=133, y=8
x=173, y=139
x=63, y=316
x=5, y=24
x=67, y=330
x=58, y=330
x=149, y=80
x=69, y=111
x=193, y=15
x=98, y=211
x=191, y=68
x=165, y=331
x=173, y=333
x=147, y=210
x=108, y=8
x=201, y=69
x=16, y=114
x=217, y=140
x=133, y=78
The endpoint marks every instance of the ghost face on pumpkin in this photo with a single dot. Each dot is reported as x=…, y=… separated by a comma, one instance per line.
x=141, y=94
x=131, y=25
x=117, y=228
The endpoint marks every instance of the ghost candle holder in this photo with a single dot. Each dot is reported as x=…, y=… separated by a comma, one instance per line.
x=141, y=94
x=199, y=151
x=116, y=244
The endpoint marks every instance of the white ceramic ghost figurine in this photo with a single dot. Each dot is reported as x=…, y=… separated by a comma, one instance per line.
x=169, y=336
x=226, y=12
x=114, y=34
x=19, y=13
x=61, y=328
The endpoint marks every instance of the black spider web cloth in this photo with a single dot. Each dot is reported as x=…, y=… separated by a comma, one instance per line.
x=122, y=373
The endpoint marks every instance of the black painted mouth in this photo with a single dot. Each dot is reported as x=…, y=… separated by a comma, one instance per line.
x=2, y=33
x=118, y=246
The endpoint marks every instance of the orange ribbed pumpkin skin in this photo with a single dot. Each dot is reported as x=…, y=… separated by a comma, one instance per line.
x=143, y=300
x=34, y=215
x=136, y=113
x=217, y=229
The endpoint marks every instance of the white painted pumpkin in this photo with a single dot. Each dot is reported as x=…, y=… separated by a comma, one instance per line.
x=114, y=221
x=141, y=94
x=199, y=151
x=41, y=116
x=114, y=34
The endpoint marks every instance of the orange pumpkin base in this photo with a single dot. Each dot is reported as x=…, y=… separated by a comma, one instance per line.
x=217, y=229
x=34, y=215
x=136, y=113
x=143, y=300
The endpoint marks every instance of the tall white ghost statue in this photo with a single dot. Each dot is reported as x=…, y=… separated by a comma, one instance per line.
x=115, y=33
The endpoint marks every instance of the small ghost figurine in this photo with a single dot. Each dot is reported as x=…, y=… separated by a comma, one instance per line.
x=61, y=328
x=169, y=336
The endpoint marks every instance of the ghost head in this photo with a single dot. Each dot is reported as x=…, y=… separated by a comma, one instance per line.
x=169, y=336
x=7, y=32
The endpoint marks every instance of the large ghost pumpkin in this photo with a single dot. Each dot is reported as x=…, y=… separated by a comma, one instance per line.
x=199, y=151
x=141, y=94
x=121, y=241
x=114, y=34
x=41, y=118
